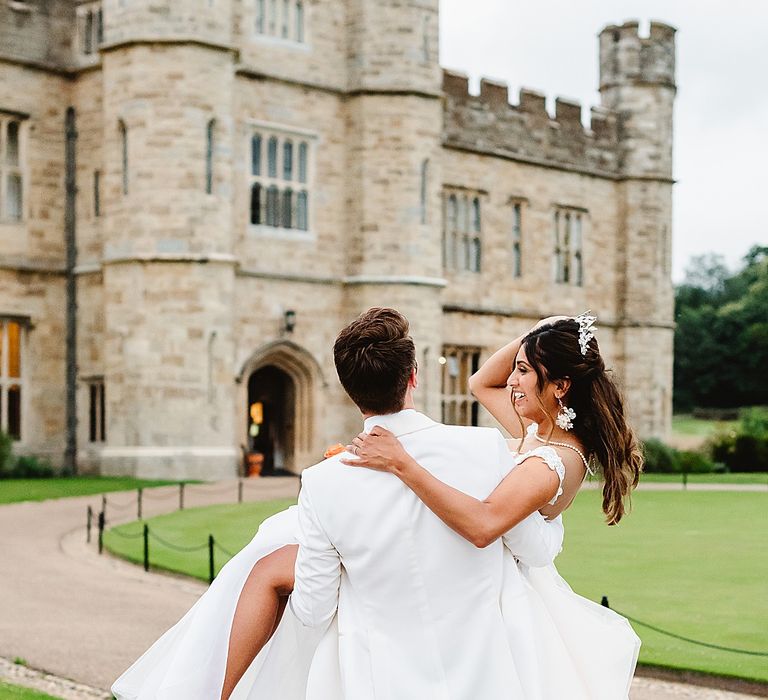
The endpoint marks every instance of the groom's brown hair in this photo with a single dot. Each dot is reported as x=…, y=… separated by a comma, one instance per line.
x=374, y=358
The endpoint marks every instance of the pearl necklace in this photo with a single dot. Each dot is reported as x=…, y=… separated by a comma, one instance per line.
x=570, y=447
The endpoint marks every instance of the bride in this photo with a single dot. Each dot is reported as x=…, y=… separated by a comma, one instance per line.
x=551, y=391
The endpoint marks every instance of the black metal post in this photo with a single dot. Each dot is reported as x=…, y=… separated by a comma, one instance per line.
x=146, y=547
x=211, y=564
x=102, y=520
x=104, y=505
x=239, y=490
x=604, y=602
x=138, y=500
x=181, y=495
x=88, y=520
x=685, y=481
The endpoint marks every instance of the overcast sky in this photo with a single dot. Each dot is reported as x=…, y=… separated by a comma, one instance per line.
x=721, y=117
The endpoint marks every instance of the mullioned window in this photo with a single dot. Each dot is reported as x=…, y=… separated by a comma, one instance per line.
x=280, y=181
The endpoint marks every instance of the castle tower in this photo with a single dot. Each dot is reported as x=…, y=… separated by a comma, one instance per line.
x=168, y=257
x=394, y=116
x=637, y=82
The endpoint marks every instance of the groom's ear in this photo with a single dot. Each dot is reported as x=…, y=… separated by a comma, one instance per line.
x=413, y=380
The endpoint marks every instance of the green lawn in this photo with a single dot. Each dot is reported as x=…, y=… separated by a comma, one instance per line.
x=693, y=563
x=15, y=490
x=686, y=424
x=730, y=478
x=232, y=526
x=690, y=562
x=15, y=692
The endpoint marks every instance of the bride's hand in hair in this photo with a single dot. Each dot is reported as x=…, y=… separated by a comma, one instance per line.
x=379, y=450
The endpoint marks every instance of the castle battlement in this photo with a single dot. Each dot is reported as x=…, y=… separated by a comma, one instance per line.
x=488, y=123
x=626, y=57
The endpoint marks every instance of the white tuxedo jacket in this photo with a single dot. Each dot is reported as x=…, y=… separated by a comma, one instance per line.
x=419, y=613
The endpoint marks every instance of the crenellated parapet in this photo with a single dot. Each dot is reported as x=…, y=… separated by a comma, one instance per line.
x=487, y=123
x=627, y=58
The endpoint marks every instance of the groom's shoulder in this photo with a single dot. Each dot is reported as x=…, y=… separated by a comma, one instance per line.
x=324, y=468
x=470, y=433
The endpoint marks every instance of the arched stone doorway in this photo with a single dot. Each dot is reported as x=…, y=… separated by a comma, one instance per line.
x=284, y=378
x=270, y=419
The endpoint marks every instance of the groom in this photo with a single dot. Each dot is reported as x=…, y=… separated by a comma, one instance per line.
x=419, y=613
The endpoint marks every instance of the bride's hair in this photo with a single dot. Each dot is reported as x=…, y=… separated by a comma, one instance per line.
x=554, y=352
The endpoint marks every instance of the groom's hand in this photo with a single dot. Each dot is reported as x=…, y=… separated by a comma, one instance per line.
x=379, y=450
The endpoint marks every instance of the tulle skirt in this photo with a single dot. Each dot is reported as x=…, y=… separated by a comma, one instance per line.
x=564, y=646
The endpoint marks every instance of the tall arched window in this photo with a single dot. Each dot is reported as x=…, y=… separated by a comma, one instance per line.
x=256, y=155
x=273, y=206
x=299, y=21
x=423, y=190
x=473, y=239
x=276, y=200
x=288, y=161
x=124, y=153
x=302, y=211
x=287, y=218
x=256, y=216
x=569, y=264
x=285, y=19
x=209, y=145
x=261, y=24
x=302, y=162
x=272, y=157
x=517, y=240
x=578, y=267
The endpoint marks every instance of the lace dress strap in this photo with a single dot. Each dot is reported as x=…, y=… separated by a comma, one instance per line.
x=553, y=460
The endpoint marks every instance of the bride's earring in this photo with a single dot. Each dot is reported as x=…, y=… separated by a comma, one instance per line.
x=565, y=416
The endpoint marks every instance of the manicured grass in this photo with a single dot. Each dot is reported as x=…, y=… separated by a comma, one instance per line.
x=232, y=526
x=730, y=478
x=15, y=490
x=689, y=562
x=15, y=692
x=686, y=424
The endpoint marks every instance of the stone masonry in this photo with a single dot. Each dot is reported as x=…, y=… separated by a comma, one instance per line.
x=184, y=282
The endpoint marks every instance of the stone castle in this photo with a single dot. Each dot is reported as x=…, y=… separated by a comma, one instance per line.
x=196, y=195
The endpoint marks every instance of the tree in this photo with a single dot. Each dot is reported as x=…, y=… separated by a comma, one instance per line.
x=721, y=337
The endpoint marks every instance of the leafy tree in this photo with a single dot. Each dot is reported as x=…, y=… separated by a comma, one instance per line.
x=721, y=338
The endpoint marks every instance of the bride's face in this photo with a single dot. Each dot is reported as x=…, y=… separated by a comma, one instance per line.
x=525, y=391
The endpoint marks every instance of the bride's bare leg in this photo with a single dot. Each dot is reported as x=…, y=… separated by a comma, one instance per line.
x=258, y=613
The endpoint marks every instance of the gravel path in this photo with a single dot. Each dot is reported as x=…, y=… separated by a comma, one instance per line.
x=83, y=617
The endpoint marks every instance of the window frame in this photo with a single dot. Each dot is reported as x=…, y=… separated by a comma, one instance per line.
x=90, y=29
x=97, y=412
x=273, y=188
x=463, y=230
x=6, y=381
x=9, y=170
x=271, y=23
x=459, y=403
x=568, y=252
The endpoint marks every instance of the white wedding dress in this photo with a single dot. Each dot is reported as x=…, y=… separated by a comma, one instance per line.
x=568, y=648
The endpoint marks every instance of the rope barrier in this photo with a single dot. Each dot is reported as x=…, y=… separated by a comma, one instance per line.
x=121, y=506
x=126, y=535
x=697, y=642
x=178, y=548
x=223, y=550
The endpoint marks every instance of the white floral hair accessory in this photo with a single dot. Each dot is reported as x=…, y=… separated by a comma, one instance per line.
x=586, y=329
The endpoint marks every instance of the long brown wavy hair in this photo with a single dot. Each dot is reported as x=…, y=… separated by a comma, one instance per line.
x=554, y=352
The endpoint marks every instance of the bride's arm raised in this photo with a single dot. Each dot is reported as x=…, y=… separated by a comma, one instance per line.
x=526, y=489
x=489, y=384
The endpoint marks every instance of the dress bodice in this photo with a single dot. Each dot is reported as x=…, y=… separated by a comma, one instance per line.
x=549, y=456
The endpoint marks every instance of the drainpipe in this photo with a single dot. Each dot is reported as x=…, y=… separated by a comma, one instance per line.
x=70, y=453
